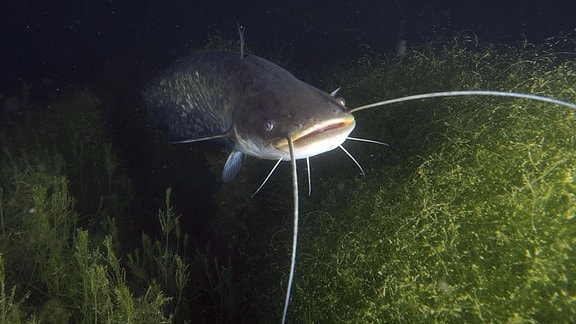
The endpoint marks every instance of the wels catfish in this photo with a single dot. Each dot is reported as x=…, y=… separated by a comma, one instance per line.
x=263, y=111
x=259, y=107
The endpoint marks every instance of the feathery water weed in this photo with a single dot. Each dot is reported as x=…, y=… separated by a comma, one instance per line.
x=469, y=218
x=52, y=270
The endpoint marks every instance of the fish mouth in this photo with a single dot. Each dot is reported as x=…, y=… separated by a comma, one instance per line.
x=319, y=137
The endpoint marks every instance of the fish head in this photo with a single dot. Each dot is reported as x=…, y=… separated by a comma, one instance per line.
x=315, y=121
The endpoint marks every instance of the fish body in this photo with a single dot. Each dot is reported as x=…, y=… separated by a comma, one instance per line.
x=252, y=102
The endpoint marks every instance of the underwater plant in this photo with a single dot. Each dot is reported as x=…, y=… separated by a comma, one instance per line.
x=59, y=242
x=468, y=216
x=67, y=248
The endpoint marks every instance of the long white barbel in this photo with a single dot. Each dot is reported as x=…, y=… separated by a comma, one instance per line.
x=467, y=93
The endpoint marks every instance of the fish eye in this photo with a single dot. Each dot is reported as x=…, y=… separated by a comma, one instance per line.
x=341, y=101
x=268, y=125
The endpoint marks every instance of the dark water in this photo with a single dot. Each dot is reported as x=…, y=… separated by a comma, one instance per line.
x=54, y=44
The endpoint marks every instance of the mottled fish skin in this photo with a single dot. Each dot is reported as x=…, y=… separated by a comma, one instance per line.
x=188, y=100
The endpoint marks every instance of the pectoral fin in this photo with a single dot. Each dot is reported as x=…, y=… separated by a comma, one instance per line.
x=232, y=166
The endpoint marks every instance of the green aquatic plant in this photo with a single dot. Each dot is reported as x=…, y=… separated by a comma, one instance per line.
x=52, y=268
x=158, y=262
x=54, y=265
x=104, y=294
x=10, y=307
x=201, y=284
x=468, y=216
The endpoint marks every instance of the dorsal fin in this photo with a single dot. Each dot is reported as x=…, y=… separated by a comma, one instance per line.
x=241, y=33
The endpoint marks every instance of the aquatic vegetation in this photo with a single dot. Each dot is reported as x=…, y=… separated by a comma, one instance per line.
x=67, y=247
x=159, y=262
x=52, y=269
x=468, y=216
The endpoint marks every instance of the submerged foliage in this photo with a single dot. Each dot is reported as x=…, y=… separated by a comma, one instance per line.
x=53, y=269
x=68, y=252
x=470, y=214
